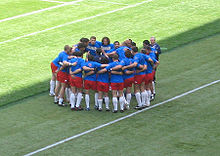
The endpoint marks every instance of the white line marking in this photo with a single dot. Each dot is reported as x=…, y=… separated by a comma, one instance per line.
x=79, y=20
x=38, y=11
x=54, y=1
x=109, y=2
x=119, y=119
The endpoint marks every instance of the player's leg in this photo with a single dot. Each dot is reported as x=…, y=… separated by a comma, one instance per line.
x=96, y=100
x=62, y=92
x=57, y=90
x=121, y=100
x=114, y=100
x=67, y=93
x=73, y=97
x=100, y=99
x=87, y=99
x=147, y=102
x=128, y=97
x=137, y=95
x=106, y=98
x=52, y=84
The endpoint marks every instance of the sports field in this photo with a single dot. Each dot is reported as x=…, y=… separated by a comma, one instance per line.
x=188, y=125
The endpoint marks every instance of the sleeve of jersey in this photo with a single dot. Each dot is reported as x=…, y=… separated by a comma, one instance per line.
x=122, y=63
x=108, y=67
x=136, y=60
x=97, y=65
x=99, y=43
x=154, y=60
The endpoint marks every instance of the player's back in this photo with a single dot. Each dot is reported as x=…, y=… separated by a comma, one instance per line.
x=103, y=77
x=79, y=65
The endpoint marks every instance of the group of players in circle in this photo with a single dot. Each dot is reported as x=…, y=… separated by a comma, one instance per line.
x=107, y=67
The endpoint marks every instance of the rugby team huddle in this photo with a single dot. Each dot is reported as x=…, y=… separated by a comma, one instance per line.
x=107, y=67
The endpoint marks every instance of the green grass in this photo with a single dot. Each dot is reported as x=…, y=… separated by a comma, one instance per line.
x=186, y=126
x=25, y=68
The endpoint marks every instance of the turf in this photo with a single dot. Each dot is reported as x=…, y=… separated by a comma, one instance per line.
x=183, y=127
x=25, y=62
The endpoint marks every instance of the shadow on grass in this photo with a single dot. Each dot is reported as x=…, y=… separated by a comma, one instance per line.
x=171, y=43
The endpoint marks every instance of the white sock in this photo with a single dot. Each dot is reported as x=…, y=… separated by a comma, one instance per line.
x=96, y=99
x=57, y=83
x=87, y=100
x=122, y=102
x=107, y=102
x=148, y=97
x=115, y=103
x=52, y=86
x=153, y=84
x=79, y=98
x=72, y=100
x=67, y=94
x=138, y=98
x=128, y=97
x=100, y=103
x=60, y=100
x=55, y=99
x=125, y=101
x=143, y=97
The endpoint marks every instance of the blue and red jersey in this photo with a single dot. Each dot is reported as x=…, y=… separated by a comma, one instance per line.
x=107, y=48
x=104, y=77
x=115, y=78
x=141, y=59
x=92, y=47
x=126, y=62
x=121, y=52
x=91, y=64
x=149, y=65
x=79, y=65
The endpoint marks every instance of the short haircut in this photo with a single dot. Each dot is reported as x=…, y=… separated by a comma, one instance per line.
x=99, y=51
x=147, y=47
x=147, y=42
x=84, y=40
x=90, y=57
x=104, y=60
x=66, y=48
x=143, y=51
x=133, y=43
x=81, y=45
x=105, y=38
x=115, y=57
x=116, y=42
x=128, y=53
x=79, y=53
x=134, y=49
x=92, y=37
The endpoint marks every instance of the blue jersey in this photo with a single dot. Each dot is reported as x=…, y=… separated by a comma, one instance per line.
x=91, y=64
x=152, y=55
x=92, y=48
x=115, y=78
x=126, y=62
x=63, y=56
x=156, y=47
x=150, y=66
x=80, y=63
x=110, y=51
x=121, y=52
x=107, y=48
x=141, y=59
x=104, y=77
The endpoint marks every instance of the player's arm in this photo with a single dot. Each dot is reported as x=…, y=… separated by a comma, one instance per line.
x=156, y=65
x=90, y=73
x=141, y=70
x=111, y=54
x=104, y=65
x=129, y=72
x=130, y=66
x=117, y=72
x=85, y=68
x=102, y=71
x=117, y=67
x=104, y=53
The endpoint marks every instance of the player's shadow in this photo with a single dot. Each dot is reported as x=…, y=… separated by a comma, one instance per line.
x=172, y=42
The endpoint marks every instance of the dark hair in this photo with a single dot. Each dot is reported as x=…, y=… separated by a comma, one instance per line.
x=66, y=48
x=133, y=43
x=84, y=40
x=104, y=60
x=99, y=51
x=116, y=42
x=146, y=42
x=92, y=37
x=105, y=38
x=143, y=51
x=147, y=47
x=81, y=45
x=115, y=56
x=90, y=57
x=128, y=53
x=134, y=49
x=78, y=53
